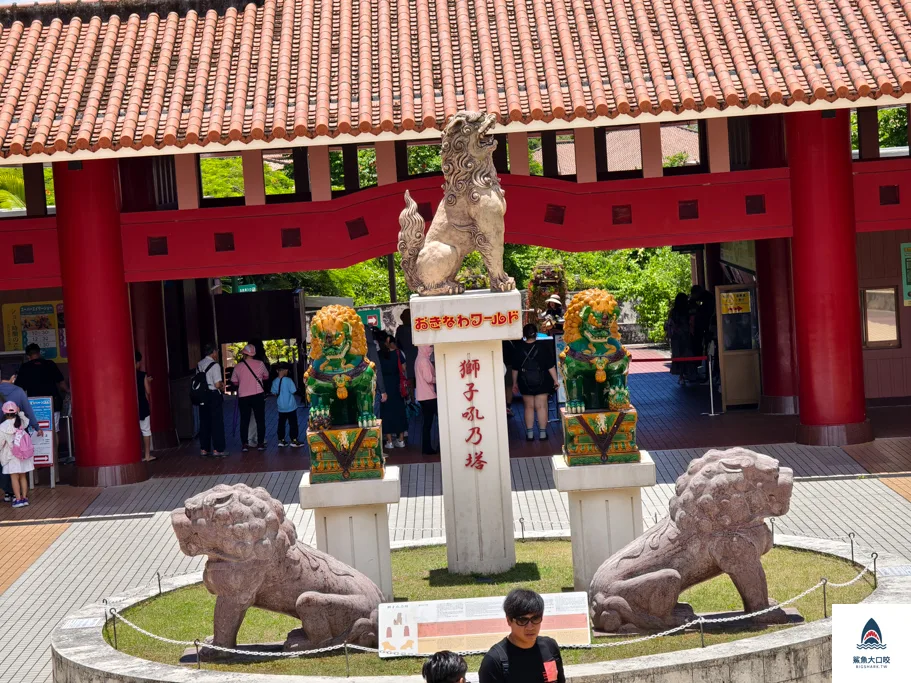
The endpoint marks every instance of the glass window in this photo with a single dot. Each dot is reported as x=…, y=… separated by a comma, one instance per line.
x=221, y=176
x=680, y=144
x=880, y=313
x=624, y=149
x=12, y=192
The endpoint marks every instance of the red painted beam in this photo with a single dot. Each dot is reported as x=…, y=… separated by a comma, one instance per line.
x=588, y=222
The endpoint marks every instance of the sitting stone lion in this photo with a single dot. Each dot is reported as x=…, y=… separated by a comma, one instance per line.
x=256, y=560
x=715, y=526
x=470, y=218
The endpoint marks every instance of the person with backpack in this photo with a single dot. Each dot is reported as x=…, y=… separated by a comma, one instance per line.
x=249, y=375
x=523, y=655
x=206, y=392
x=12, y=392
x=286, y=390
x=17, y=455
x=444, y=666
x=534, y=370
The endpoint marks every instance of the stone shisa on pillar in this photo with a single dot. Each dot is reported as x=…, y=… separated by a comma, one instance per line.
x=467, y=333
x=348, y=487
x=601, y=469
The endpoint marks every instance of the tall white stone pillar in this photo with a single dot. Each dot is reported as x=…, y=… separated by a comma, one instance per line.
x=467, y=332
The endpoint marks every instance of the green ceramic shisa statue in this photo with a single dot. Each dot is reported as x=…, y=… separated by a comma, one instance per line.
x=344, y=435
x=599, y=423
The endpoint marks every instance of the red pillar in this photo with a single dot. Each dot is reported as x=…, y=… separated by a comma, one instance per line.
x=832, y=405
x=776, y=328
x=150, y=338
x=99, y=334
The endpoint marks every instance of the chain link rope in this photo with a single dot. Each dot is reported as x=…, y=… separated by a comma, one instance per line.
x=333, y=648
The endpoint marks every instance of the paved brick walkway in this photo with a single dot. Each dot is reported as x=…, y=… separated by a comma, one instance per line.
x=121, y=537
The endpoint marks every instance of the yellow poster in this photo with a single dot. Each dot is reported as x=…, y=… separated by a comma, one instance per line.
x=735, y=302
x=38, y=322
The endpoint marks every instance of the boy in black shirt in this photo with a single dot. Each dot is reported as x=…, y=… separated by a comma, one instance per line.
x=523, y=656
x=444, y=667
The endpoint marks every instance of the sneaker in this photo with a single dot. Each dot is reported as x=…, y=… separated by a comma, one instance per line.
x=19, y=503
x=542, y=435
x=282, y=444
x=297, y=444
x=220, y=454
x=261, y=447
x=24, y=501
x=529, y=435
x=245, y=448
x=7, y=497
x=399, y=443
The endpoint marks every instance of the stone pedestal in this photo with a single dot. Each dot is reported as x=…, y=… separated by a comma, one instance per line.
x=352, y=522
x=467, y=332
x=605, y=509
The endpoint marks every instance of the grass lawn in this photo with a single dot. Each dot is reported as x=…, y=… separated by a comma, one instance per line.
x=420, y=574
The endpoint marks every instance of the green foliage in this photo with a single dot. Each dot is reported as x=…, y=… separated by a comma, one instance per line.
x=650, y=278
x=278, y=181
x=534, y=167
x=222, y=176
x=893, y=128
x=276, y=351
x=49, y=186
x=424, y=159
x=676, y=160
x=12, y=189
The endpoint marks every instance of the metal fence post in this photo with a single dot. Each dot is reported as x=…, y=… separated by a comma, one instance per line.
x=825, y=601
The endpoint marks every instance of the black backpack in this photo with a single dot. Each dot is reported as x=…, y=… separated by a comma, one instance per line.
x=547, y=654
x=199, y=387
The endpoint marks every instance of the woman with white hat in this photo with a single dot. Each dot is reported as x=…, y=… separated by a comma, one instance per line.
x=249, y=375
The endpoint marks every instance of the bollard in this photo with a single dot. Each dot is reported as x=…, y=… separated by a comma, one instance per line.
x=347, y=663
x=114, y=622
x=772, y=521
x=198, y=660
x=825, y=602
x=158, y=574
x=874, y=555
x=522, y=524
x=701, y=632
x=851, y=536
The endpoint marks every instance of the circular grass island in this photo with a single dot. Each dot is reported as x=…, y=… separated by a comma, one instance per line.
x=420, y=574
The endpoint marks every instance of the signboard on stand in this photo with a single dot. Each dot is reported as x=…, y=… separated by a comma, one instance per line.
x=43, y=407
x=40, y=323
x=906, y=273
x=422, y=628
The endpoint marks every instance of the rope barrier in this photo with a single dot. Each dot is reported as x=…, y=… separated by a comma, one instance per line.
x=699, y=621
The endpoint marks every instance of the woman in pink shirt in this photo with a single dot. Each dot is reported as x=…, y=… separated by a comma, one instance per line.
x=425, y=391
x=249, y=375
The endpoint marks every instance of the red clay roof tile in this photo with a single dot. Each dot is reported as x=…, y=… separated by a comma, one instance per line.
x=130, y=74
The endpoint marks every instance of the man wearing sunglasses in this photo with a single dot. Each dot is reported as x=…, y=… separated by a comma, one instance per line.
x=523, y=656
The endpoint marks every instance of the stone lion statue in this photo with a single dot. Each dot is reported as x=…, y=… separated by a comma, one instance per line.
x=470, y=218
x=341, y=381
x=714, y=526
x=594, y=363
x=256, y=560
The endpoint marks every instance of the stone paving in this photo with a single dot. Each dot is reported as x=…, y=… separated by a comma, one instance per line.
x=123, y=537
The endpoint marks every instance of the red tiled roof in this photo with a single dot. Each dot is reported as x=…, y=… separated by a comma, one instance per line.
x=134, y=74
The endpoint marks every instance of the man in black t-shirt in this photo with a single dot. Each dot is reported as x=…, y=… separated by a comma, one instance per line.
x=41, y=377
x=523, y=656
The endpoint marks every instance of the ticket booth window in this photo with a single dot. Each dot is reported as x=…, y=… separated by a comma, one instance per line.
x=880, y=315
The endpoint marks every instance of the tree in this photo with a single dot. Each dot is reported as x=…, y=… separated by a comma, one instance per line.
x=424, y=159
x=893, y=127
x=676, y=160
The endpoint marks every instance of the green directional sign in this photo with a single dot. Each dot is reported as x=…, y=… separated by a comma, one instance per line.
x=244, y=289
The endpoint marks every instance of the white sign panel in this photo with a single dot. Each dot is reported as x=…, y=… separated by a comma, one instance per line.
x=43, y=407
x=422, y=628
x=870, y=643
x=473, y=316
